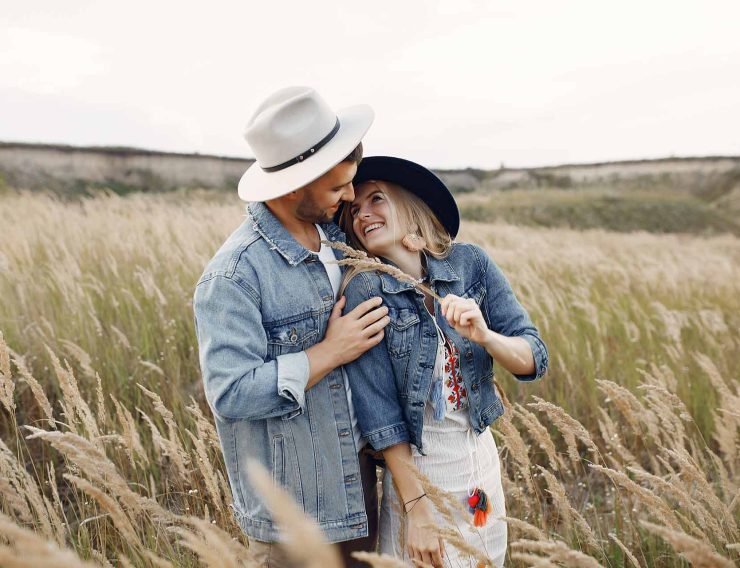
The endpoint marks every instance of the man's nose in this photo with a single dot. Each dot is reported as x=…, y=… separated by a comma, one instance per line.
x=349, y=195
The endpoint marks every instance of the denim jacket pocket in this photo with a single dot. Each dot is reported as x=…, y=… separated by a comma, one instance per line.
x=291, y=336
x=401, y=330
x=476, y=292
x=278, y=460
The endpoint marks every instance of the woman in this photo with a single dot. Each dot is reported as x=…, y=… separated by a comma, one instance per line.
x=429, y=385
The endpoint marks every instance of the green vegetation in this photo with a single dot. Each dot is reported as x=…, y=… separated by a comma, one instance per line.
x=655, y=212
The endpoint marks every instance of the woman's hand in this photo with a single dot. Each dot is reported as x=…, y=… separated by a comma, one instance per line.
x=464, y=315
x=422, y=542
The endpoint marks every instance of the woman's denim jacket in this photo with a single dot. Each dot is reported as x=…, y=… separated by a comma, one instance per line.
x=391, y=382
x=260, y=303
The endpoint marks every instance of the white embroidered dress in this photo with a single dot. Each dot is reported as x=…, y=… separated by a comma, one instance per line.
x=457, y=460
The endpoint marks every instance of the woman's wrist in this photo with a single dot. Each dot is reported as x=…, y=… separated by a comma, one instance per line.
x=421, y=510
x=490, y=342
x=409, y=505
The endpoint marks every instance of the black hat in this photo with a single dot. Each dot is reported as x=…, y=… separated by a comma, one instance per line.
x=416, y=179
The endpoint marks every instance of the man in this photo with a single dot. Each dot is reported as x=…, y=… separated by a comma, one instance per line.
x=271, y=335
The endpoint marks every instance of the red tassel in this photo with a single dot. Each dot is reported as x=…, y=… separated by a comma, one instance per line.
x=480, y=506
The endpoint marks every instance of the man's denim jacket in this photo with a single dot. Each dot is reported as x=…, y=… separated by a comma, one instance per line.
x=391, y=382
x=260, y=303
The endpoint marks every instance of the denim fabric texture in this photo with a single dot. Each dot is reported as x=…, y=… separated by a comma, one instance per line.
x=261, y=302
x=390, y=382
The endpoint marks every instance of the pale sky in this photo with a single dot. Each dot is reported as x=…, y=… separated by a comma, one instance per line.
x=454, y=83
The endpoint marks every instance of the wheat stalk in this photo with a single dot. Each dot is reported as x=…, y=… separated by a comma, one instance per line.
x=359, y=259
x=27, y=549
x=557, y=551
x=626, y=550
x=379, y=560
x=305, y=543
x=700, y=554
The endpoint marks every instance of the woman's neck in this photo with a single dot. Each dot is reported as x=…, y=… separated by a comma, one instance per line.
x=409, y=262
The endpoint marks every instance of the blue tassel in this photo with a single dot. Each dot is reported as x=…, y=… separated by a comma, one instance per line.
x=438, y=402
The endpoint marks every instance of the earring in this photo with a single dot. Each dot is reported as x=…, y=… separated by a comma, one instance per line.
x=413, y=242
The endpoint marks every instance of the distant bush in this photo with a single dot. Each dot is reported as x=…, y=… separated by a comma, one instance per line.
x=613, y=212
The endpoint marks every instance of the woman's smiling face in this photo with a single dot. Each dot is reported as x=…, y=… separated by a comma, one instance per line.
x=374, y=221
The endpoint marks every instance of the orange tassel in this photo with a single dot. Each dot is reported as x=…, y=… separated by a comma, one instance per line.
x=480, y=506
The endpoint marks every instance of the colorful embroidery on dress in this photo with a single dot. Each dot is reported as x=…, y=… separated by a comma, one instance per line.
x=455, y=391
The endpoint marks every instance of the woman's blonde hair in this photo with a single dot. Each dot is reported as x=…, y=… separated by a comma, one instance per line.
x=413, y=215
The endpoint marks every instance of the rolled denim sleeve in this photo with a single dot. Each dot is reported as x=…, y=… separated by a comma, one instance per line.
x=293, y=371
x=371, y=378
x=240, y=382
x=507, y=316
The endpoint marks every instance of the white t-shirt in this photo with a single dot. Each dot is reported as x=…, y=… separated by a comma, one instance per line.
x=328, y=259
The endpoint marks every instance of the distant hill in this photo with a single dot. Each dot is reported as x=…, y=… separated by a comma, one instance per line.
x=74, y=169
x=699, y=194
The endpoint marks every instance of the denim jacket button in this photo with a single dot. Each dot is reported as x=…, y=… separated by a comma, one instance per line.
x=468, y=355
x=474, y=388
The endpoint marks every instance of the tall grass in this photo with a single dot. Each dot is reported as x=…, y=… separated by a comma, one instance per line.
x=625, y=454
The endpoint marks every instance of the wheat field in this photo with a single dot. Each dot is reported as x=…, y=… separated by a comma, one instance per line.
x=626, y=454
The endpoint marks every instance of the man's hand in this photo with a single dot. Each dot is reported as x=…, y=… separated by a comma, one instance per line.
x=359, y=330
x=347, y=337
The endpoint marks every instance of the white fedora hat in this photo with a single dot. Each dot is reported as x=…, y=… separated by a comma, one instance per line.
x=296, y=138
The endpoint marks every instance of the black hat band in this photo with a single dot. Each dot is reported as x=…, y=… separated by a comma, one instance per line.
x=307, y=154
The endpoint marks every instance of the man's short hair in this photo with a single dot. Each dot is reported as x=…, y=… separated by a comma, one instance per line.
x=356, y=155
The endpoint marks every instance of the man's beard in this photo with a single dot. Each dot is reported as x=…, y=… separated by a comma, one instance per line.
x=309, y=212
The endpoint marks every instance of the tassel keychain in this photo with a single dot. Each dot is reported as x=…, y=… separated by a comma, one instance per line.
x=480, y=506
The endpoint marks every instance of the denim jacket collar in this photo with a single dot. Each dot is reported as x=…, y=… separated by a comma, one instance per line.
x=273, y=231
x=438, y=270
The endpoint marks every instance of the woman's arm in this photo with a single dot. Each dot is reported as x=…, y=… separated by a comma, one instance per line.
x=422, y=542
x=513, y=353
x=371, y=378
x=501, y=325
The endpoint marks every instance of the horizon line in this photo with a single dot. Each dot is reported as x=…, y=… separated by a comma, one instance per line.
x=139, y=150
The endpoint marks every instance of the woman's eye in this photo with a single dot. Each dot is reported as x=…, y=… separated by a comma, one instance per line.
x=353, y=212
x=377, y=198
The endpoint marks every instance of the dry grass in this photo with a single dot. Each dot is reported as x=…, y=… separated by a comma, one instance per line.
x=625, y=454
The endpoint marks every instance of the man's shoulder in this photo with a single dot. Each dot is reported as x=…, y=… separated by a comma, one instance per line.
x=234, y=253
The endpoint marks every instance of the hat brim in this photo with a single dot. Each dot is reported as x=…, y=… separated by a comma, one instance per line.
x=418, y=180
x=259, y=185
